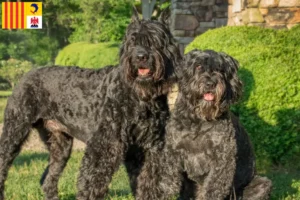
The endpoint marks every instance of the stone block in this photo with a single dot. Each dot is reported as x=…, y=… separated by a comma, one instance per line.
x=208, y=15
x=230, y=13
x=221, y=14
x=207, y=24
x=237, y=6
x=182, y=11
x=289, y=3
x=283, y=16
x=255, y=16
x=238, y=20
x=184, y=40
x=257, y=24
x=252, y=3
x=221, y=22
x=289, y=26
x=201, y=12
x=276, y=26
x=182, y=5
x=268, y=3
x=178, y=33
x=203, y=3
x=185, y=22
x=201, y=30
x=189, y=33
x=264, y=11
x=230, y=22
x=246, y=17
x=220, y=8
x=173, y=6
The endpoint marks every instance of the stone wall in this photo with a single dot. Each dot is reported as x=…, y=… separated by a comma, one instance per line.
x=193, y=17
x=265, y=13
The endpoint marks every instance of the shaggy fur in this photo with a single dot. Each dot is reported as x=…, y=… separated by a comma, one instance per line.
x=120, y=112
x=212, y=149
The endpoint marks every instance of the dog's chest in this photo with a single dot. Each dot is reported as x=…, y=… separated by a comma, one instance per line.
x=203, y=138
x=200, y=146
x=147, y=128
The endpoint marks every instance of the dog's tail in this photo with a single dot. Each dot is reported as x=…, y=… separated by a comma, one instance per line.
x=18, y=118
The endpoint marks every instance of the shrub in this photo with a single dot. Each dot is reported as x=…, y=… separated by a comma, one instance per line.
x=88, y=55
x=270, y=71
x=12, y=70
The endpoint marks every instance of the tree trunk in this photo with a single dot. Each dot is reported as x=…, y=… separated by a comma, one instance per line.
x=147, y=8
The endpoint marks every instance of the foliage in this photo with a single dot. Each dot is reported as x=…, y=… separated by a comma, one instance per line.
x=3, y=101
x=12, y=70
x=88, y=55
x=270, y=71
x=101, y=20
x=27, y=45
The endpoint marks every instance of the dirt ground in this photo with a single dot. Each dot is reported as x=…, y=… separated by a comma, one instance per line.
x=34, y=143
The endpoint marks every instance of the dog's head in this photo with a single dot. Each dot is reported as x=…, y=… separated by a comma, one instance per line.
x=148, y=56
x=210, y=83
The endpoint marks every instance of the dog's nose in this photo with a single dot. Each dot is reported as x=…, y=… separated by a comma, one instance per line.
x=142, y=56
x=210, y=84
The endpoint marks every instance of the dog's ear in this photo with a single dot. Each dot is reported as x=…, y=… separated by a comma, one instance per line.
x=135, y=15
x=165, y=16
x=235, y=82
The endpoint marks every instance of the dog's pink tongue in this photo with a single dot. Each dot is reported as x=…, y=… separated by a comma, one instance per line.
x=143, y=72
x=209, y=96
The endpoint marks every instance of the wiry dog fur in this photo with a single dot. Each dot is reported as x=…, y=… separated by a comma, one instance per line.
x=212, y=149
x=120, y=112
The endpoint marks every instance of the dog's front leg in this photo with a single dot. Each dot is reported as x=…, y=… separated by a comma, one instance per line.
x=102, y=158
x=218, y=183
x=149, y=181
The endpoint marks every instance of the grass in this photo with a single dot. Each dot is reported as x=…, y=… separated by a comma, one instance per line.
x=24, y=175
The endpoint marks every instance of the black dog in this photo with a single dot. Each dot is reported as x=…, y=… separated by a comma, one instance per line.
x=120, y=112
x=213, y=149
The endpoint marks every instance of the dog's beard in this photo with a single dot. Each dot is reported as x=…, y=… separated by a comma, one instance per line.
x=210, y=104
x=147, y=79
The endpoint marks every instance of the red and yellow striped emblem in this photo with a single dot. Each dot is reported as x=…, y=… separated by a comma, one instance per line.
x=14, y=14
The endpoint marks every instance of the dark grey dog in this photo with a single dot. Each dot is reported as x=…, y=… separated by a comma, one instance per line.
x=120, y=112
x=212, y=148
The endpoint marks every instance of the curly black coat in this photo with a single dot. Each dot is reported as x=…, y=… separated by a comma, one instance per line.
x=120, y=112
x=212, y=149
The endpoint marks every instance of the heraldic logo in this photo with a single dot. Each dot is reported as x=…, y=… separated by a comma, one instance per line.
x=22, y=15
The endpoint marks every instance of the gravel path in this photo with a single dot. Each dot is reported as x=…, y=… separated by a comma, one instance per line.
x=34, y=143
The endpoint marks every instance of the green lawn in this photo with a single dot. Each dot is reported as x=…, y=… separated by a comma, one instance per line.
x=24, y=176
x=23, y=180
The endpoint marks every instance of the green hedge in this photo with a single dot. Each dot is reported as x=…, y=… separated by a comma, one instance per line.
x=270, y=70
x=88, y=55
